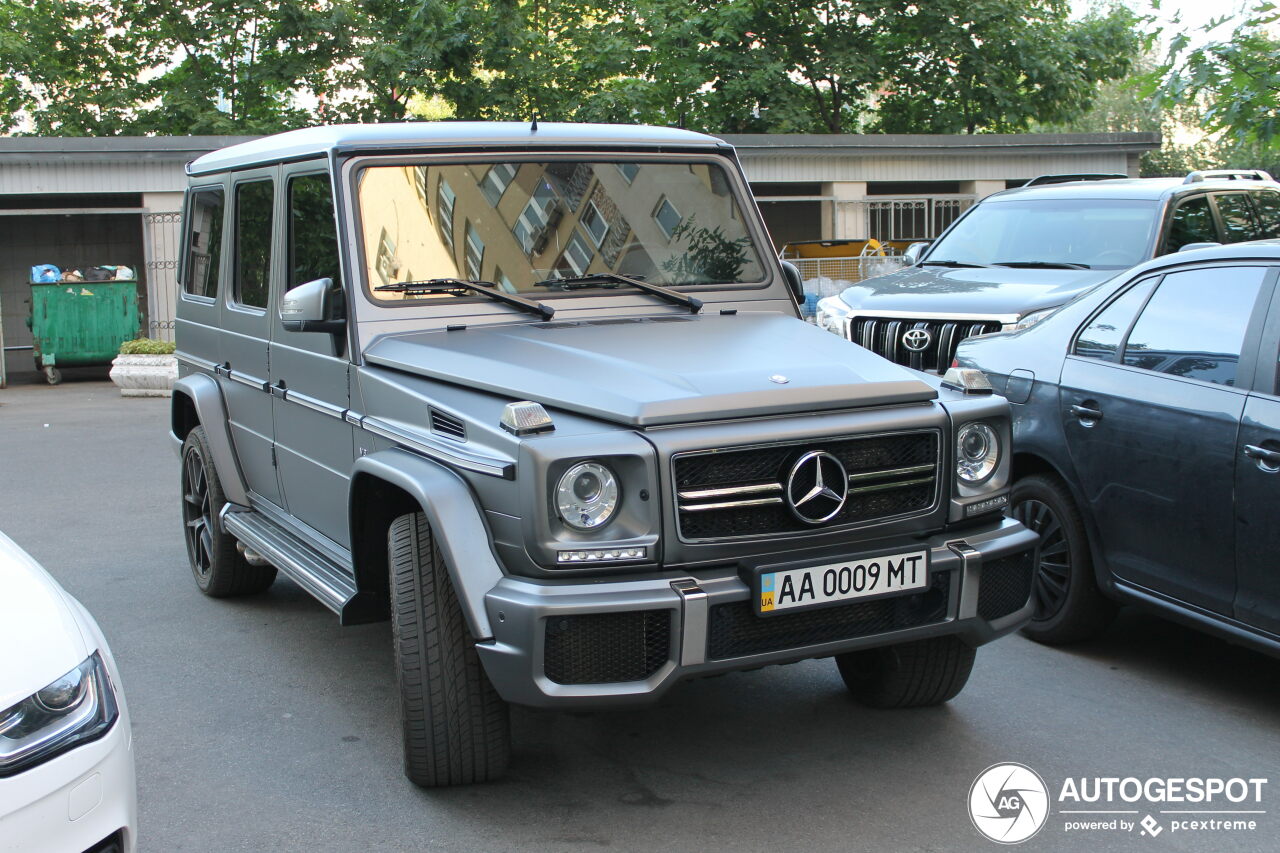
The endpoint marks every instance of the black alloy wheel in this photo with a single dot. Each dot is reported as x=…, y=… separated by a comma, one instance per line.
x=197, y=515
x=1053, y=571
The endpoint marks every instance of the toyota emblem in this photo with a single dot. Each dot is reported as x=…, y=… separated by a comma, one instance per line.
x=917, y=340
x=817, y=487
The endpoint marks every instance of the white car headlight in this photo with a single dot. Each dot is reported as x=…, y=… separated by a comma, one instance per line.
x=74, y=709
x=1028, y=320
x=831, y=314
x=587, y=496
x=977, y=453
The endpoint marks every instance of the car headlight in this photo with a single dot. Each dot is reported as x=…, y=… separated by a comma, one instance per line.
x=587, y=496
x=1028, y=320
x=831, y=314
x=977, y=453
x=74, y=709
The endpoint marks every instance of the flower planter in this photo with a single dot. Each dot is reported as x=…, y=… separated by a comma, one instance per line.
x=145, y=375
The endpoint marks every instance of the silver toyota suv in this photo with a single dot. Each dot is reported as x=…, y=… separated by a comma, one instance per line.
x=540, y=395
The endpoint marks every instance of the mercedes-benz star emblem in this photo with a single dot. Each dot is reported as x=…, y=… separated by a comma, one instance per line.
x=817, y=487
x=917, y=340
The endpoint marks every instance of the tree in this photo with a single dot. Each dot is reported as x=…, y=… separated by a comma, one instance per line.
x=997, y=65
x=1234, y=84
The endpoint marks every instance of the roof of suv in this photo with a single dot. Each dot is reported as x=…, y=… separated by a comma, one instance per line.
x=1131, y=188
x=319, y=141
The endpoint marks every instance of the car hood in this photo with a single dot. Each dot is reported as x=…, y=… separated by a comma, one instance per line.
x=986, y=290
x=41, y=637
x=647, y=371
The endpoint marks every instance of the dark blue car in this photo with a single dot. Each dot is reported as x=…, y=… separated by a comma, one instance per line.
x=1147, y=445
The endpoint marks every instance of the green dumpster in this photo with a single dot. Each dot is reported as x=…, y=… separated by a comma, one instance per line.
x=80, y=323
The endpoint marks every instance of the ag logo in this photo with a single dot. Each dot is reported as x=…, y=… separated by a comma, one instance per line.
x=1008, y=803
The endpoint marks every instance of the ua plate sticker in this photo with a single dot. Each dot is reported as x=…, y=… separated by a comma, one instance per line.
x=852, y=579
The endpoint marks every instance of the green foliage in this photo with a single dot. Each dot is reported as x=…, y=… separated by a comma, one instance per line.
x=709, y=256
x=147, y=346
x=1233, y=83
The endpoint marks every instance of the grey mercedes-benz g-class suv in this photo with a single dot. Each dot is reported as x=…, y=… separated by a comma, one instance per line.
x=540, y=395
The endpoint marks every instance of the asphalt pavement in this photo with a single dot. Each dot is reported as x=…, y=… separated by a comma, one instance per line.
x=260, y=724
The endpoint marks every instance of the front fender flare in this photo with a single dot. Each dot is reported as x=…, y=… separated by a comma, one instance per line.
x=456, y=520
x=205, y=395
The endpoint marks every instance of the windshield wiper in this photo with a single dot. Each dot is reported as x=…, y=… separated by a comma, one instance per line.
x=1043, y=265
x=674, y=296
x=956, y=264
x=487, y=288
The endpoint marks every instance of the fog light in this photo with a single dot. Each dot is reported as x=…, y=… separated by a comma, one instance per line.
x=597, y=555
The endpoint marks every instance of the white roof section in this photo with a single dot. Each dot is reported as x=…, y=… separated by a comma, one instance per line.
x=319, y=141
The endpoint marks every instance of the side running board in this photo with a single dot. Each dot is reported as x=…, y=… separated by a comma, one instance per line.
x=315, y=572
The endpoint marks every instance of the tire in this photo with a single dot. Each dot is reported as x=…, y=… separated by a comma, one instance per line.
x=1068, y=604
x=457, y=729
x=52, y=375
x=908, y=675
x=218, y=567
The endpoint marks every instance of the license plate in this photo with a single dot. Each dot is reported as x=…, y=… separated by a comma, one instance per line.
x=849, y=580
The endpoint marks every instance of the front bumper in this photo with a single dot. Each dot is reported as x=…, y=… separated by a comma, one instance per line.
x=618, y=643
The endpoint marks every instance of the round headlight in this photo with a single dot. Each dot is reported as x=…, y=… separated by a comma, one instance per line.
x=587, y=496
x=977, y=452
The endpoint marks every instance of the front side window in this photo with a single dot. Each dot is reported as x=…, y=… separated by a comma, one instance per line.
x=1102, y=337
x=313, y=231
x=255, y=204
x=1268, y=204
x=1100, y=233
x=675, y=223
x=204, y=247
x=1192, y=223
x=1237, y=217
x=1194, y=326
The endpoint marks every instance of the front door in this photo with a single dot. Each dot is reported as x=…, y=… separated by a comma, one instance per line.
x=246, y=330
x=1151, y=415
x=311, y=371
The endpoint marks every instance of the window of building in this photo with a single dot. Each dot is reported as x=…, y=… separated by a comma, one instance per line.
x=204, y=251
x=313, y=234
x=385, y=264
x=255, y=205
x=445, y=203
x=594, y=223
x=629, y=171
x=475, y=253
x=577, y=256
x=534, y=217
x=495, y=181
x=420, y=186
x=667, y=217
x=503, y=281
x=1194, y=325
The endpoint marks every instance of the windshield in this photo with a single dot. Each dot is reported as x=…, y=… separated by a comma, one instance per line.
x=528, y=227
x=1093, y=233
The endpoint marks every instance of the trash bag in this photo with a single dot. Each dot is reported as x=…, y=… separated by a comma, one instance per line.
x=72, y=275
x=124, y=274
x=99, y=274
x=45, y=273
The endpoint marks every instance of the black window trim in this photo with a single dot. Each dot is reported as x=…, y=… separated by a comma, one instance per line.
x=1266, y=376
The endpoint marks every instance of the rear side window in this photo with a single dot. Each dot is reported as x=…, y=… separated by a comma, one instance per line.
x=1102, y=337
x=313, y=234
x=1194, y=326
x=1192, y=223
x=204, y=249
x=1237, y=217
x=255, y=207
x=1268, y=205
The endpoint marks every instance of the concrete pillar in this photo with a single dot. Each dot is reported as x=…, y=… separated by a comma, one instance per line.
x=980, y=189
x=845, y=218
x=161, y=246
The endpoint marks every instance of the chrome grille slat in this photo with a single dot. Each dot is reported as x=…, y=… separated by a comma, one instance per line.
x=697, y=494
x=887, y=472
x=883, y=335
x=730, y=504
x=881, y=487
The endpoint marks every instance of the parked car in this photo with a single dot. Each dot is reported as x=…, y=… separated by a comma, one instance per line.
x=66, y=750
x=541, y=396
x=1016, y=255
x=1147, y=445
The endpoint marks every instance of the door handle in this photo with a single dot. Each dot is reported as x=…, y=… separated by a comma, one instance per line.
x=1085, y=413
x=1268, y=460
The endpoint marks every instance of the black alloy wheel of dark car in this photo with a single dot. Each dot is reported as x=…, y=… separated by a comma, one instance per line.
x=1068, y=604
x=219, y=568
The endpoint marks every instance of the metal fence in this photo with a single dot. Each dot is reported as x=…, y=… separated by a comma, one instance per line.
x=162, y=236
x=913, y=218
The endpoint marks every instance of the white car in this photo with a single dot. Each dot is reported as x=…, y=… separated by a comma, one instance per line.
x=66, y=751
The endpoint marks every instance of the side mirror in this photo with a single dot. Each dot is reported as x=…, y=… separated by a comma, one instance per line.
x=794, y=281
x=913, y=253
x=316, y=306
x=1191, y=247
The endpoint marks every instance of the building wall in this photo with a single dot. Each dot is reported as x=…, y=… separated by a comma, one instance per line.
x=928, y=165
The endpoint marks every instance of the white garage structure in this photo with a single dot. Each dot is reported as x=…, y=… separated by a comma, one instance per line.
x=79, y=202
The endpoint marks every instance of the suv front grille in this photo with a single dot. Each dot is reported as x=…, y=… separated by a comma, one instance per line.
x=742, y=491
x=884, y=336
x=735, y=630
x=606, y=648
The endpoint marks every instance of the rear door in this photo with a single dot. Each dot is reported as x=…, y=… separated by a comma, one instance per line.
x=1151, y=426
x=1236, y=217
x=246, y=329
x=1258, y=488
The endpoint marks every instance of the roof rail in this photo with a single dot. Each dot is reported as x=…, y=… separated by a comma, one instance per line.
x=1228, y=174
x=1042, y=180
